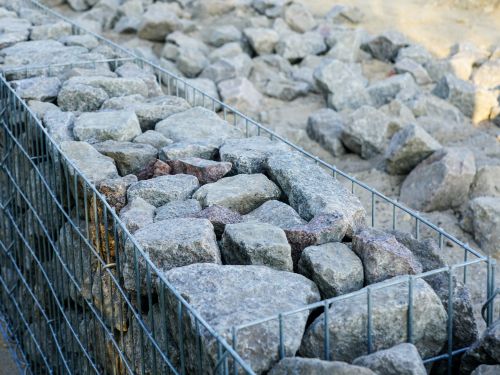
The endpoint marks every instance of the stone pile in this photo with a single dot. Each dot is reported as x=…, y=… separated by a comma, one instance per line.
x=245, y=228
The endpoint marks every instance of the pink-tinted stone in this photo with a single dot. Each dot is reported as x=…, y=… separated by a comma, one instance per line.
x=156, y=168
x=115, y=190
x=206, y=171
x=219, y=217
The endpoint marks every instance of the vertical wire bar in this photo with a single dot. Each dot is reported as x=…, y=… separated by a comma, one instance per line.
x=282, y=344
x=410, y=309
x=326, y=331
x=369, y=319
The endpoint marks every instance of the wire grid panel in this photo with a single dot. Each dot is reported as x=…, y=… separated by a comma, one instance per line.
x=61, y=249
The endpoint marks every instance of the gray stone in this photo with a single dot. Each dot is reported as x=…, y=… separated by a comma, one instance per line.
x=402, y=359
x=415, y=69
x=312, y=191
x=345, y=44
x=488, y=75
x=276, y=213
x=295, y=46
x=268, y=7
x=441, y=181
x=115, y=190
x=325, y=127
x=93, y=165
x=347, y=321
x=486, y=182
x=87, y=41
x=365, y=132
x=137, y=214
x=300, y=366
x=169, y=244
x=219, y=217
x=153, y=138
x=130, y=158
x=343, y=84
x=209, y=101
x=179, y=150
x=437, y=69
x=215, y=292
x=39, y=88
x=197, y=125
x=249, y=155
x=220, y=70
x=400, y=86
x=59, y=125
x=432, y=106
x=485, y=222
x=161, y=190
x=213, y=7
x=241, y=94
x=206, y=171
x=158, y=21
x=486, y=370
x=119, y=86
x=383, y=256
x=409, y=147
x=262, y=40
x=242, y=193
x=41, y=108
x=218, y=36
x=416, y=53
x=484, y=351
x=81, y=98
x=286, y=89
x=298, y=17
x=177, y=209
x=149, y=111
x=103, y=126
x=343, y=13
x=54, y=30
x=129, y=70
x=386, y=46
x=191, y=62
x=333, y=267
x=227, y=50
x=79, y=5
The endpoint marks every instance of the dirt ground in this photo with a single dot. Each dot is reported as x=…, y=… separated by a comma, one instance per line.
x=436, y=24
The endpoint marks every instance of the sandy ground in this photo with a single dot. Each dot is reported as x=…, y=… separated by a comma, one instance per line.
x=433, y=23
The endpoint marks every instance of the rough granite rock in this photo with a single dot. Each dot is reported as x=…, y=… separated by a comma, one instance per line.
x=311, y=191
x=262, y=40
x=256, y=244
x=485, y=222
x=294, y=46
x=347, y=322
x=169, y=244
x=158, y=21
x=191, y=61
x=130, y=158
x=400, y=86
x=103, y=126
x=179, y=150
x=206, y=171
x=486, y=350
x=300, y=366
x=486, y=370
x=249, y=155
x=486, y=182
x=220, y=35
x=488, y=75
x=54, y=30
x=415, y=69
x=276, y=213
x=333, y=267
x=155, y=168
x=164, y=189
x=81, y=98
x=383, y=256
x=345, y=43
x=402, y=359
x=386, y=46
x=242, y=193
x=115, y=190
x=59, y=125
x=408, y=147
x=325, y=127
x=298, y=17
x=219, y=217
x=129, y=70
x=214, y=291
x=441, y=181
x=177, y=209
x=113, y=86
x=153, y=138
x=137, y=214
x=241, y=94
x=415, y=52
x=38, y=88
x=197, y=125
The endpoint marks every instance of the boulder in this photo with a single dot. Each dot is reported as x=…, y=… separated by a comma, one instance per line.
x=113, y=86
x=103, y=126
x=54, y=30
x=276, y=213
x=400, y=86
x=129, y=70
x=81, y=98
x=130, y=158
x=432, y=106
x=486, y=182
x=312, y=191
x=59, y=125
x=386, y=46
x=220, y=35
x=262, y=40
x=219, y=217
x=345, y=43
x=158, y=21
x=485, y=222
x=154, y=168
x=241, y=94
x=214, y=291
x=486, y=350
x=299, y=366
x=242, y=193
x=87, y=41
x=441, y=181
x=285, y=88
x=408, y=147
x=325, y=127
x=415, y=69
x=383, y=256
x=402, y=359
x=179, y=150
x=227, y=50
x=228, y=68
x=294, y=47
x=164, y=189
x=206, y=171
x=191, y=62
x=416, y=53
x=347, y=322
x=115, y=190
x=38, y=88
x=488, y=75
x=153, y=138
x=249, y=155
x=298, y=17
x=177, y=209
x=345, y=13
x=270, y=8
x=168, y=244
x=333, y=267
x=137, y=214
x=197, y=125
x=256, y=244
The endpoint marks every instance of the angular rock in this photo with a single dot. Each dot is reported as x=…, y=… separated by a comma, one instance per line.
x=241, y=286
x=262, y=40
x=298, y=17
x=40, y=108
x=311, y=191
x=191, y=62
x=219, y=217
x=249, y=155
x=345, y=44
x=38, y=88
x=432, y=106
x=130, y=158
x=386, y=46
x=299, y=366
x=416, y=53
x=59, y=125
x=87, y=41
x=206, y=171
x=224, y=34
x=485, y=221
x=402, y=359
x=441, y=181
x=137, y=214
x=486, y=370
x=325, y=127
x=400, y=86
x=81, y=98
x=242, y=193
x=153, y=138
x=286, y=89
x=228, y=68
x=113, y=86
x=169, y=244
x=342, y=13
x=486, y=182
x=256, y=244
x=488, y=75
x=179, y=150
x=227, y=50
x=130, y=70
x=103, y=126
x=164, y=189
x=158, y=21
x=241, y=94
x=154, y=168
x=295, y=46
x=415, y=69
x=177, y=209
x=276, y=213
x=408, y=147
x=268, y=7
x=383, y=256
x=54, y=30
x=484, y=351
x=347, y=322
x=197, y=125
x=333, y=267
x=115, y=190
